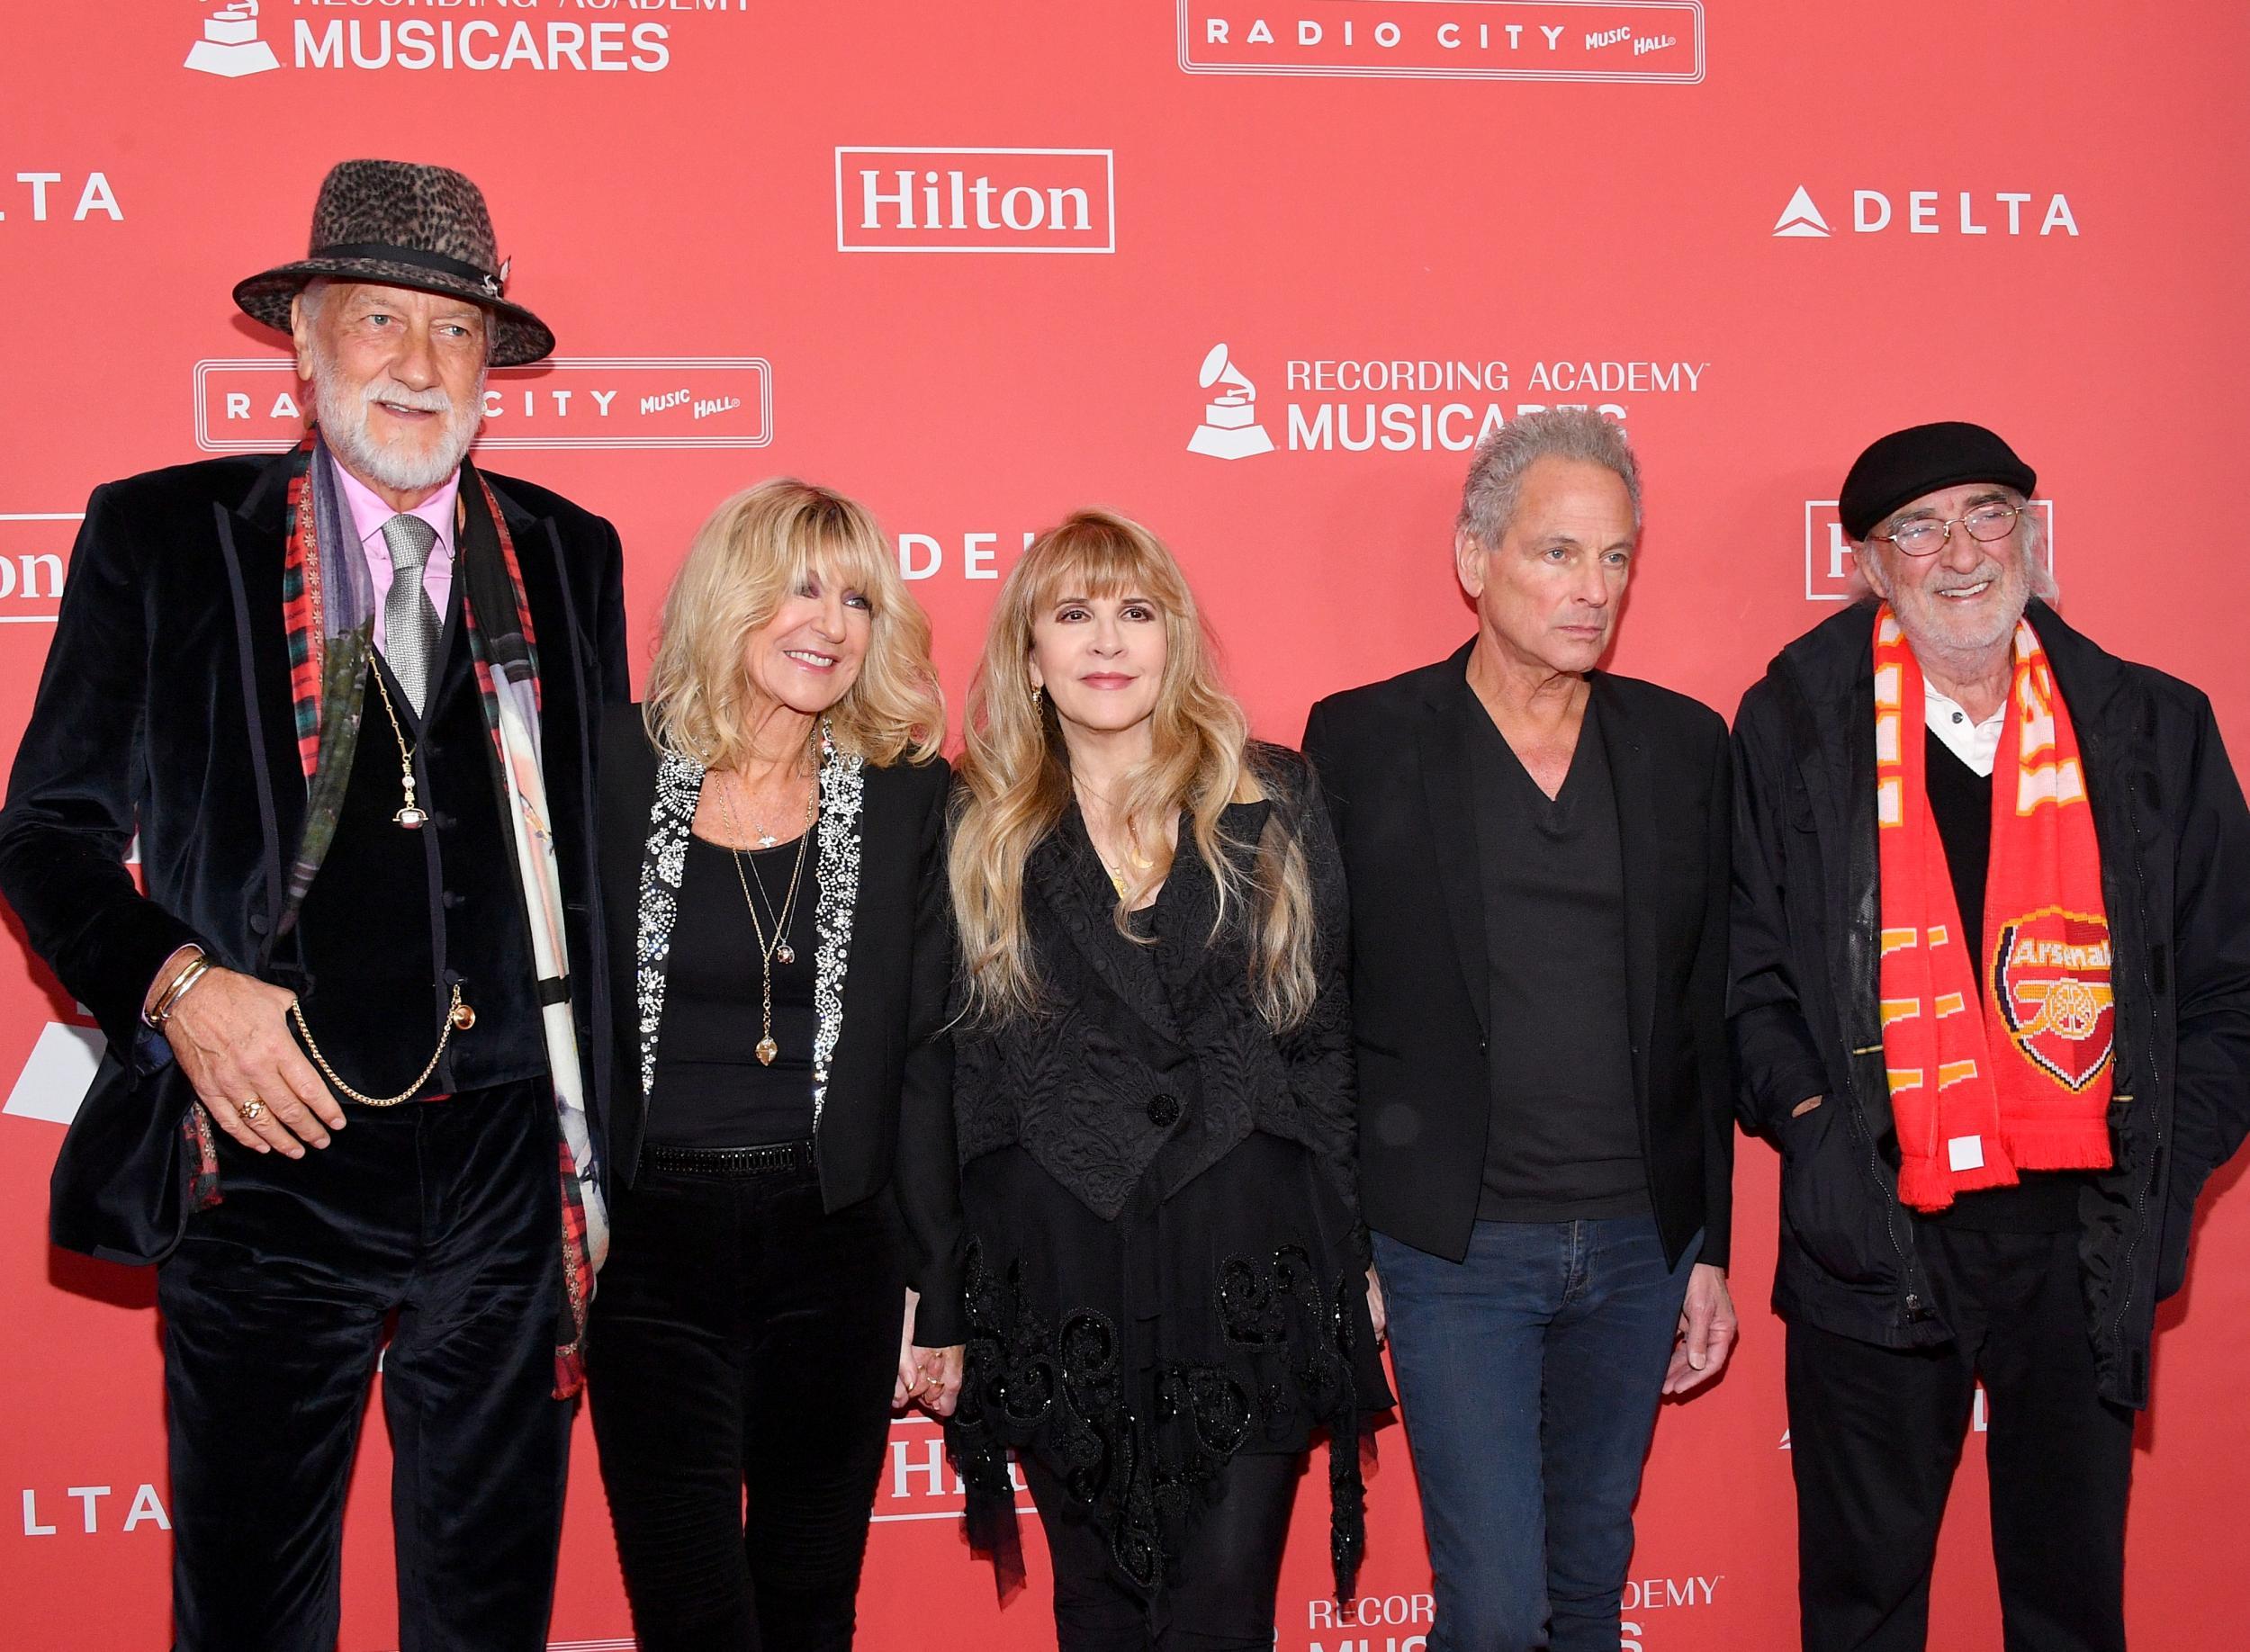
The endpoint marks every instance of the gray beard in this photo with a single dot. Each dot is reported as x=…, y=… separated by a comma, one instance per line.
x=342, y=420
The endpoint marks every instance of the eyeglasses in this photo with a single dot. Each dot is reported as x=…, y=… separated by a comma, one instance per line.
x=1926, y=536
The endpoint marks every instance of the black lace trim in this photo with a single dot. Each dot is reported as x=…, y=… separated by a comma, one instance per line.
x=1145, y=1477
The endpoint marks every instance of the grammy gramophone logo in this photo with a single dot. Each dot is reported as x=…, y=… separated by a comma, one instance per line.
x=1230, y=428
x=230, y=46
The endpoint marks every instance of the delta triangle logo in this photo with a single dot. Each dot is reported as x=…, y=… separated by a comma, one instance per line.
x=1801, y=219
x=230, y=47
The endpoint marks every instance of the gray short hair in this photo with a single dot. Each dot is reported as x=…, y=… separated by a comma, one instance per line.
x=1496, y=475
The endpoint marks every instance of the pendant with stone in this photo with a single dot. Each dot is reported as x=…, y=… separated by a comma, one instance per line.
x=767, y=1050
x=785, y=954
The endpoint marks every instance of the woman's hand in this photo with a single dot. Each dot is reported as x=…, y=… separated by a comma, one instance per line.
x=930, y=1378
x=1375, y=1310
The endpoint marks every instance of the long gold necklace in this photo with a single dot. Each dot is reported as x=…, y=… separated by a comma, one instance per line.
x=411, y=814
x=771, y=945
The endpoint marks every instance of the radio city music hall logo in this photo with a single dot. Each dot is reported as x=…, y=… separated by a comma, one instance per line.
x=1828, y=564
x=588, y=402
x=2002, y=212
x=1358, y=403
x=230, y=43
x=1429, y=39
x=975, y=201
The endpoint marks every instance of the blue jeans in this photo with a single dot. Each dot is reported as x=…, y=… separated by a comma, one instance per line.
x=1529, y=1374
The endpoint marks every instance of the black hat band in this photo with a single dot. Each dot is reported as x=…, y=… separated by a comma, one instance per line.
x=438, y=263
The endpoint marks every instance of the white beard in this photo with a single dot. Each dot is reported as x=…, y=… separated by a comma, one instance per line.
x=343, y=418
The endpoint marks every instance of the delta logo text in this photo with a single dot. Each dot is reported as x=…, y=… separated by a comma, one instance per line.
x=34, y=549
x=585, y=401
x=1445, y=40
x=1828, y=567
x=975, y=201
x=1929, y=211
x=1421, y=404
x=60, y=197
x=234, y=38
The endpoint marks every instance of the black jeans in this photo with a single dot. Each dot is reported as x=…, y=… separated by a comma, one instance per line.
x=1876, y=1432
x=447, y=1214
x=1218, y=1596
x=740, y=1363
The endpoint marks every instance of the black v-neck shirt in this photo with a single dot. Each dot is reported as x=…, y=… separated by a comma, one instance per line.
x=1563, y=1142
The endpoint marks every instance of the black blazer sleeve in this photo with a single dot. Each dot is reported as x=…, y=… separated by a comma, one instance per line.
x=927, y=1181
x=74, y=794
x=610, y=653
x=2212, y=944
x=1778, y=1062
x=1706, y=997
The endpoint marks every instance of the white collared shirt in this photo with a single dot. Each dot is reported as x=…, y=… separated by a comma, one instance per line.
x=1976, y=744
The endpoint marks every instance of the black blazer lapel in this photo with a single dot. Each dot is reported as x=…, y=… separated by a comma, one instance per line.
x=1068, y=875
x=1633, y=782
x=253, y=544
x=1442, y=751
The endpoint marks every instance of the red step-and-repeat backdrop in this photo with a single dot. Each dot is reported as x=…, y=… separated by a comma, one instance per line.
x=979, y=263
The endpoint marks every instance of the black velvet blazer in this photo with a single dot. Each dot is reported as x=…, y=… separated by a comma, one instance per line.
x=886, y=1122
x=1395, y=770
x=1122, y=1061
x=165, y=704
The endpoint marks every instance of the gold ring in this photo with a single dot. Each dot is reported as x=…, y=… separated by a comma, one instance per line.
x=251, y=1110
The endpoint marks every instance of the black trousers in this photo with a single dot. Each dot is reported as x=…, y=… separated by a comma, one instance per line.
x=741, y=1354
x=1874, y=1435
x=1218, y=1595
x=448, y=1215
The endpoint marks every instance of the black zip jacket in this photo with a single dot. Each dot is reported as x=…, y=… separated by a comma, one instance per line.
x=2174, y=838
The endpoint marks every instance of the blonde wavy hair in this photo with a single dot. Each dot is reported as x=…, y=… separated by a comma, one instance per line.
x=751, y=553
x=1016, y=789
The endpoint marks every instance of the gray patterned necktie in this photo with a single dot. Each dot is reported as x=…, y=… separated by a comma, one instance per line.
x=409, y=621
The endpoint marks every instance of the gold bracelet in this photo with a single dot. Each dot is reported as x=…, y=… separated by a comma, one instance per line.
x=191, y=972
x=457, y=1015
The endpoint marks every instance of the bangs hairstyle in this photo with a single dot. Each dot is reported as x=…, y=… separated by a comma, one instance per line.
x=1016, y=777
x=756, y=549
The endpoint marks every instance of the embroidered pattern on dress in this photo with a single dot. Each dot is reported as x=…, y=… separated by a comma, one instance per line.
x=679, y=787
x=843, y=787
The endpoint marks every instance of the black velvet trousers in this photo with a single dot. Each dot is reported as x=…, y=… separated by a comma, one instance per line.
x=744, y=1346
x=448, y=1215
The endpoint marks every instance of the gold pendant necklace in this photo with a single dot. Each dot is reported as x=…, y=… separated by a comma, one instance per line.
x=411, y=814
x=772, y=947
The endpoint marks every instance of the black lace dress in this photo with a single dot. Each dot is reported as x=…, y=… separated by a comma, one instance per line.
x=1165, y=1265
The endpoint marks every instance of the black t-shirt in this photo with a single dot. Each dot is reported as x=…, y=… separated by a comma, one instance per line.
x=711, y=1090
x=1564, y=1139
x=1961, y=803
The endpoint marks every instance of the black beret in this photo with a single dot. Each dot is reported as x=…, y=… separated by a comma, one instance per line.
x=1908, y=463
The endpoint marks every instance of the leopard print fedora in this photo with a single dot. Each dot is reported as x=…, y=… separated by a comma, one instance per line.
x=401, y=225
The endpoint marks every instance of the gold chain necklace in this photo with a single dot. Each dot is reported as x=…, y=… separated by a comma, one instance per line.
x=411, y=814
x=769, y=945
x=459, y=1017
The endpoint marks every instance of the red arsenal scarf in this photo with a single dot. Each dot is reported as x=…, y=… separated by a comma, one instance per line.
x=2026, y=1084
